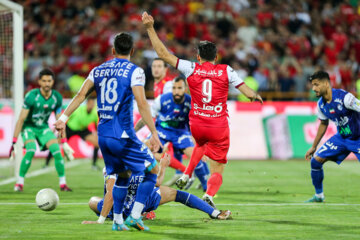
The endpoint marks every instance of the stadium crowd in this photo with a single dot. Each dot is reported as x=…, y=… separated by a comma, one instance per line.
x=274, y=45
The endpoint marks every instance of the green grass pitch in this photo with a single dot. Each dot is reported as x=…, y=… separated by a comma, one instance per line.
x=265, y=197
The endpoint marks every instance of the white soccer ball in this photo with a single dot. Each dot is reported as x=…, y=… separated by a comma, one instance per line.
x=47, y=199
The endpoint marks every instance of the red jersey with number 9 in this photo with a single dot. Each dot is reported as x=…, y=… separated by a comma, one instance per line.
x=209, y=86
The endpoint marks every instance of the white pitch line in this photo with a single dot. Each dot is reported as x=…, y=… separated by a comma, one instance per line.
x=43, y=171
x=225, y=204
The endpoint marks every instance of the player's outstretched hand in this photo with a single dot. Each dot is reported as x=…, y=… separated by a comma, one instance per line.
x=147, y=20
x=257, y=97
x=60, y=127
x=68, y=152
x=155, y=143
x=310, y=153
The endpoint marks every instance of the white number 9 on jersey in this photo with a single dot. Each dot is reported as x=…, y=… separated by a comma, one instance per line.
x=207, y=90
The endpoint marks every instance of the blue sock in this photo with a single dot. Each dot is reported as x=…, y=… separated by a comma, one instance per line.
x=193, y=202
x=178, y=155
x=200, y=172
x=317, y=175
x=119, y=194
x=146, y=187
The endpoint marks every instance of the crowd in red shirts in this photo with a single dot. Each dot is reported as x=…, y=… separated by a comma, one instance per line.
x=276, y=43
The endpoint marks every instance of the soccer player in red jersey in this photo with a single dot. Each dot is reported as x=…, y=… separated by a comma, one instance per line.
x=209, y=85
x=162, y=83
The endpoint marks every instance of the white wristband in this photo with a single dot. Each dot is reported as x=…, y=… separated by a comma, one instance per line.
x=101, y=219
x=63, y=118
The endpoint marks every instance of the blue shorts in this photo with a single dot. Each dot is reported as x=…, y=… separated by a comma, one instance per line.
x=125, y=154
x=99, y=208
x=337, y=149
x=180, y=139
x=151, y=203
x=153, y=200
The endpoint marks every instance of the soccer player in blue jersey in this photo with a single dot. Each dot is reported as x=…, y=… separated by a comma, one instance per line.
x=171, y=111
x=116, y=83
x=343, y=109
x=159, y=196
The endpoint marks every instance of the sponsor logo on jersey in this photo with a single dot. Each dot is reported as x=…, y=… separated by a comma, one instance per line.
x=342, y=122
x=214, y=73
x=338, y=100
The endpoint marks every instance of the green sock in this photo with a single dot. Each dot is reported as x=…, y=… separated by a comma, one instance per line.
x=26, y=161
x=59, y=161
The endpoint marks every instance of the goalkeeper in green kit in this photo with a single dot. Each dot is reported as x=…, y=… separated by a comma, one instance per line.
x=39, y=103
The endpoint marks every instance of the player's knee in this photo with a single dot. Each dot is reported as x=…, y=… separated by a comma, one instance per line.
x=30, y=149
x=51, y=143
x=93, y=202
x=126, y=174
x=54, y=148
x=315, y=164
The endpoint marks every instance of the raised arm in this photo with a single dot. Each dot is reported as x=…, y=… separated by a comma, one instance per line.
x=159, y=47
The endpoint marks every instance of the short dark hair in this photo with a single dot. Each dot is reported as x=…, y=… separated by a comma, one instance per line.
x=179, y=78
x=207, y=50
x=123, y=43
x=46, y=71
x=160, y=59
x=320, y=75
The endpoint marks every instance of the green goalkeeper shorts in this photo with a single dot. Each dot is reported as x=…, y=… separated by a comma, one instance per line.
x=41, y=135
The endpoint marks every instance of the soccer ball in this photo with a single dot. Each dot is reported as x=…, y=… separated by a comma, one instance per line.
x=47, y=199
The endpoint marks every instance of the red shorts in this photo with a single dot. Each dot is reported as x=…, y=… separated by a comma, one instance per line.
x=216, y=141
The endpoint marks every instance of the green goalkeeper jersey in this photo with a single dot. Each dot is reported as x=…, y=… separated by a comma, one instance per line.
x=41, y=108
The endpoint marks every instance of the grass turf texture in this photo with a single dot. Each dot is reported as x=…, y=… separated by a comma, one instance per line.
x=265, y=197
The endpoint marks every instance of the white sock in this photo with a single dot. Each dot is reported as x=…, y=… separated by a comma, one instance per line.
x=62, y=180
x=320, y=195
x=215, y=213
x=118, y=218
x=20, y=180
x=137, y=209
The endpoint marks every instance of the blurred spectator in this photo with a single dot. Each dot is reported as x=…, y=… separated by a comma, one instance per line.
x=277, y=43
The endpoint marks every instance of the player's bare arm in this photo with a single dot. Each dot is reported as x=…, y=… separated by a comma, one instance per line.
x=249, y=93
x=144, y=110
x=320, y=133
x=107, y=205
x=108, y=199
x=139, y=125
x=86, y=89
x=159, y=47
x=164, y=163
